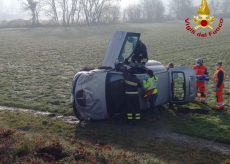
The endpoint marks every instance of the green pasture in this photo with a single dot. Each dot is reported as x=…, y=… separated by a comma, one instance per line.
x=37, y=66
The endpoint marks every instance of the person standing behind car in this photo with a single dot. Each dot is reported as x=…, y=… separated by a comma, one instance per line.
x=132, y=87
x=150, y=85
x=170, y=66
x=219, y=77
x=202, y=76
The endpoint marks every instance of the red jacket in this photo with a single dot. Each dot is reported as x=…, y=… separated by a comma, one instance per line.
x=219, y=77
x=201, y=72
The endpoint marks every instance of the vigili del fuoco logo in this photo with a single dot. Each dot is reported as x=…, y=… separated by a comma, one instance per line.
x=203, y=24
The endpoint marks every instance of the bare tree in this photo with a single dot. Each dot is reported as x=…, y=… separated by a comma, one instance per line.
x=93, y=9
x=34, y=7
x=51, y=10
x=160, y=11
x=133, y=13
x=182, y=8
x=75, y=8
x=110, y=14
x=153, y=10
x=64, y=8
x=69, y=11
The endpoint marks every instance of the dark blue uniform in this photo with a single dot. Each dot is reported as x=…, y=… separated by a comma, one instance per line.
x=140, y=53
x=132, y=86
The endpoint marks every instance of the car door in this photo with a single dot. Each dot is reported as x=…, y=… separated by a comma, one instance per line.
x=182, y=81
x=115, y=93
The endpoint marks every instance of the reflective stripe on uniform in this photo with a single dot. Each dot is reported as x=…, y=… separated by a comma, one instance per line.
x=131, y=93
x=129, y=116
x=131, y=83
x=137, y=116
x=144, y=60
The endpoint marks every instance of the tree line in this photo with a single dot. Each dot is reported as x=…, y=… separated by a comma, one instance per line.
x=154, y=10
x=91, y=12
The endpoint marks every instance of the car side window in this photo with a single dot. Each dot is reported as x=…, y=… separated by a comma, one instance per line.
x=178, y=86
x=128, y=48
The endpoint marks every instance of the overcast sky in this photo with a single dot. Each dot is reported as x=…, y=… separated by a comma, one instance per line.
x=11, y=9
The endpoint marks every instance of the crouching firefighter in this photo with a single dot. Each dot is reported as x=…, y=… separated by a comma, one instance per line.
x=132, y=88
x=202, y=77
x=219, y=77
x=151, y=93
x=140, y=53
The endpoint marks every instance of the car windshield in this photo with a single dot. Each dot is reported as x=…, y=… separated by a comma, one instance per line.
x=128, y=48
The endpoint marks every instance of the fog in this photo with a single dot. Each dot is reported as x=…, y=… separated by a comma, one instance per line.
x=11, y=9
x=25, y=13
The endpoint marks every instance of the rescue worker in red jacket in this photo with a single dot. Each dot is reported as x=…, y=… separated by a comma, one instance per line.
x=219, y=77
x=202, y=76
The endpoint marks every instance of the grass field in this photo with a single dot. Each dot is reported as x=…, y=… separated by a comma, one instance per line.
x=25, y=138
x=37, y=66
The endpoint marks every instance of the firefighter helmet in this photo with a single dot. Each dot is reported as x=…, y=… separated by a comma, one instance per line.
x=199, y=61
x=219, y=63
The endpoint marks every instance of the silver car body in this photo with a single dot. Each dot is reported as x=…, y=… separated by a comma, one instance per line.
x=99, y=94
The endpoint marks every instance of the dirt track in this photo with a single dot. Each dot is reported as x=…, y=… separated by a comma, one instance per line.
x=192, y=142
x=158, y=134
x=66, y=119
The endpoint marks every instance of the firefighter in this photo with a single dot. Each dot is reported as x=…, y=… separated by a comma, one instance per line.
x=132, y=88
x=151, y=93
x=202, y=77
x=219, y=77
x=140, y=54
x=170, y=66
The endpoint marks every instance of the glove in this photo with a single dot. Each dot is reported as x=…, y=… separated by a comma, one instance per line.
x=201, y=78
x=198, y=77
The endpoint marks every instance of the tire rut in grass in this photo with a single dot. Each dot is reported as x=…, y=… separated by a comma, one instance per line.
x=66, y=119
x=157, y=134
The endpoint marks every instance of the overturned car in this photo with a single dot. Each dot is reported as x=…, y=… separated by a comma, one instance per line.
x=100, y=94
